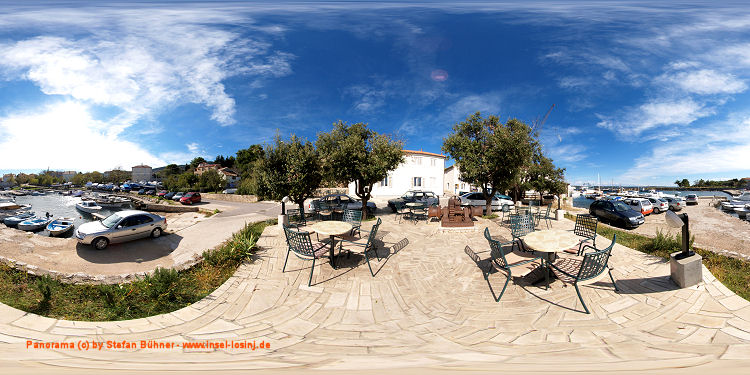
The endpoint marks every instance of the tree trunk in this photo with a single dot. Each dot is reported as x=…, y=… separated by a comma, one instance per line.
x=364, y=207
x=488, y=206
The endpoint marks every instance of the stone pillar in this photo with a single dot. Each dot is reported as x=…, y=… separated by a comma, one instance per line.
x=283, y=221
x=559, y=214
x=686, y=272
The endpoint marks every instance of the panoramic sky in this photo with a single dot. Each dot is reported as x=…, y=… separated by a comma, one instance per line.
x=643, y=93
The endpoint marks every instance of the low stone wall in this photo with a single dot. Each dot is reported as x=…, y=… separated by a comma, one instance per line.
x=322, y=192
x=147, y=204
x=230, y=197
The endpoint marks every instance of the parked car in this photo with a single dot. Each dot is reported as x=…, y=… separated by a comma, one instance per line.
x=142, y=191
x=477, y=199
x=230, y=191
x=660, y=204
x=161, y=193
x=177, y=196
x=191, y=198
x=169, y=195
x=423, y=196
x=675, y=203
x=150, y=192
x=343, y=201
x=691, y=199
x=617, y=213
x=641, y=205
x=121, y=226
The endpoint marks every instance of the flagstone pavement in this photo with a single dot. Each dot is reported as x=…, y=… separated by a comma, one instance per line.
x=428, y=307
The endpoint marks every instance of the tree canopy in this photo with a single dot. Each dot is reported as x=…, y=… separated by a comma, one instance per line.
x=356, y=153
x=491, y=154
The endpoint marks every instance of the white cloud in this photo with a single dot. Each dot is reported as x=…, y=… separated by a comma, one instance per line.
x=64, y=136
x=707, y=81
x=653, y=115
x=192, y=147
x=367, y=99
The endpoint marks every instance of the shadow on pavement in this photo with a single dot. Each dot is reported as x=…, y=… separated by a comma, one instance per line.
x=138, y=251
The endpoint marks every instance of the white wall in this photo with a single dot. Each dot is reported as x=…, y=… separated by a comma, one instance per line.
x=429, y=168
x=452, y=184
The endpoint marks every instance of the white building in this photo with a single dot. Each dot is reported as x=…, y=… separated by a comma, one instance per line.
x=421, y=170
x=142, y=173
x=452, y=183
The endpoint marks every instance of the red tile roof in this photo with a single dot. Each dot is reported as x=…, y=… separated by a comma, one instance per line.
x=420, y=152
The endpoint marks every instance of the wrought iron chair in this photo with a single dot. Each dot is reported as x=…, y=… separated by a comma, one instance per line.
x=543, y=216
x=521, y=225
x=418, y=212
x=400, y=211
x=353, y=217
x=585, y=227
x=586, y=270
x=322, y=210
x=506, y=211
x=369, y=246
x=300, y=244
x=502, y=261
x=296, y=219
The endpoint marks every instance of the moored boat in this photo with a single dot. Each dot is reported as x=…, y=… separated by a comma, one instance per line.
x=34, y=223
x=60, y=226
x=88, y=206
x=20, y=216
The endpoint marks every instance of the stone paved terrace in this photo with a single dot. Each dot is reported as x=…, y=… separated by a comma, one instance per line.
x=428, y=307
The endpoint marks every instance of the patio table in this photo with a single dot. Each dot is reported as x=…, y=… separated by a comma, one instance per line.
x=551, y=242
x=414, y=207
x=332, y=229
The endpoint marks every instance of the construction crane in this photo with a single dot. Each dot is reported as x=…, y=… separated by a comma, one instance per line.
x=537, y=125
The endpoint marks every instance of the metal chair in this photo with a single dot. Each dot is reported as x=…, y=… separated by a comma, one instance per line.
x=418, y=212
x=400, y=211
x=324, y=210
x=500, y=260
x=353, y=217
x=300, y=244
x=521, y=225
x=295, y=218
x=584, y=271
x=543, y=217
x=585, y=227
x=506, y=211
x=369, y=246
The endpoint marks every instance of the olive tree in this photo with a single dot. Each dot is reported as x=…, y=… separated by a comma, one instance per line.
x=290, y=168
x=490, y=154
x=354, y=153
x=544, y=177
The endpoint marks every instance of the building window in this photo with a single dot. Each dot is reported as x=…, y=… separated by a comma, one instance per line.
x=417, y=160
x=416, y=181
x=384, y=182
x=432, y=162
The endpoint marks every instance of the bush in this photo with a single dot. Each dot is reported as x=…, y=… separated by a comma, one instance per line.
x=44, y=285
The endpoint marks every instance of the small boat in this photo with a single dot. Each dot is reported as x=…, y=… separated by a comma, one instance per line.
x=34, y=223
x=19, y=217
x=77, y=193
x=60, y=226
x=88, y=206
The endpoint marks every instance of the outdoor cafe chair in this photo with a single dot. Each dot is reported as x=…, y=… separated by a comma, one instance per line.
x=585, y=227
x=300, y=244
x=544, y=216
x=368, y=246
x=400, y=211
x=521, y=225
x=586, y=270
x=506, y=211
x=353, y=217
x=502, y=261
x=418, y=212
x=295, y=218
x=322, y=210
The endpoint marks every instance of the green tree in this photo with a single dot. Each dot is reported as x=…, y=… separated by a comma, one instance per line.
x=194, y=163
x=118, y=176
x=211, y=180
x=356, y=153
x=187, y=181
x=290, y=169
x=490, y=154
x=246, y=159
x=23, y=178
x=544, y=177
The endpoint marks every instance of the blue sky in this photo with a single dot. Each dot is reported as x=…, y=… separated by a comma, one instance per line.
x=643, y=94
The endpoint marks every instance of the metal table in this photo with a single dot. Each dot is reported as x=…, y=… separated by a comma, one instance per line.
x=332, y=229
x=551, y=242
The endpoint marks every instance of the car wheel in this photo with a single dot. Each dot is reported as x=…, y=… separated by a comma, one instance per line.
x=100, y=243
x=156, y=233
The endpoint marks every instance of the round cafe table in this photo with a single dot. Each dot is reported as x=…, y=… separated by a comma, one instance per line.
x=333, y=229
x=551, y=242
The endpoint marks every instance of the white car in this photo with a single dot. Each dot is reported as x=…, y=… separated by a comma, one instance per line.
x=660, y=205
x=641, y=205
x=477, y=199
x=675, y=203
x=121, y=226
x=691, y=199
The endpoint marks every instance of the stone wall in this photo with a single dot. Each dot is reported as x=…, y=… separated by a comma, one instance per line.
x=230, y=197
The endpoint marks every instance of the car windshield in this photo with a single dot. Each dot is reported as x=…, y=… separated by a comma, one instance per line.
x=110, y=220
x=621, y=207
x=663, y=200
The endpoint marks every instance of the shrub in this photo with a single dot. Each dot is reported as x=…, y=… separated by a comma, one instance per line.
x=44, y=285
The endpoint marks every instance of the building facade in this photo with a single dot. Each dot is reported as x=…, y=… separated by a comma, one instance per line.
x=205, y=167
x=68, y=175
x=452, y=183
x=421, y=171
x=230, y=176
x=142, y=173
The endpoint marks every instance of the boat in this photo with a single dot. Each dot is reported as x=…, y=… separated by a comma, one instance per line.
x=88, y=206
x=19, y=216
x=737, y=202
x=34, y=223
x=60, y=226
x=77, y=193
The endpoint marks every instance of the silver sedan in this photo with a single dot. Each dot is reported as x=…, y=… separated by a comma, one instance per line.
x=121, y=226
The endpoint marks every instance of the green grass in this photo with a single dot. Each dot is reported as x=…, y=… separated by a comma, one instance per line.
x=732, y=272
x=490, y=217
x=211, y=213
x=165, y=291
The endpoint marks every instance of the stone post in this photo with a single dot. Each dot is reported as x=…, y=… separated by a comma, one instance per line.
x=559, y=214
x=283, y=221
x=687, y=271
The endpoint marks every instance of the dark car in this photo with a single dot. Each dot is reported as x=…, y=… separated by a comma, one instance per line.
x=616, y=213
x=422, y=196
x=191, y=198
x=169, y=195
x=142, y=191
x=343, y=201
